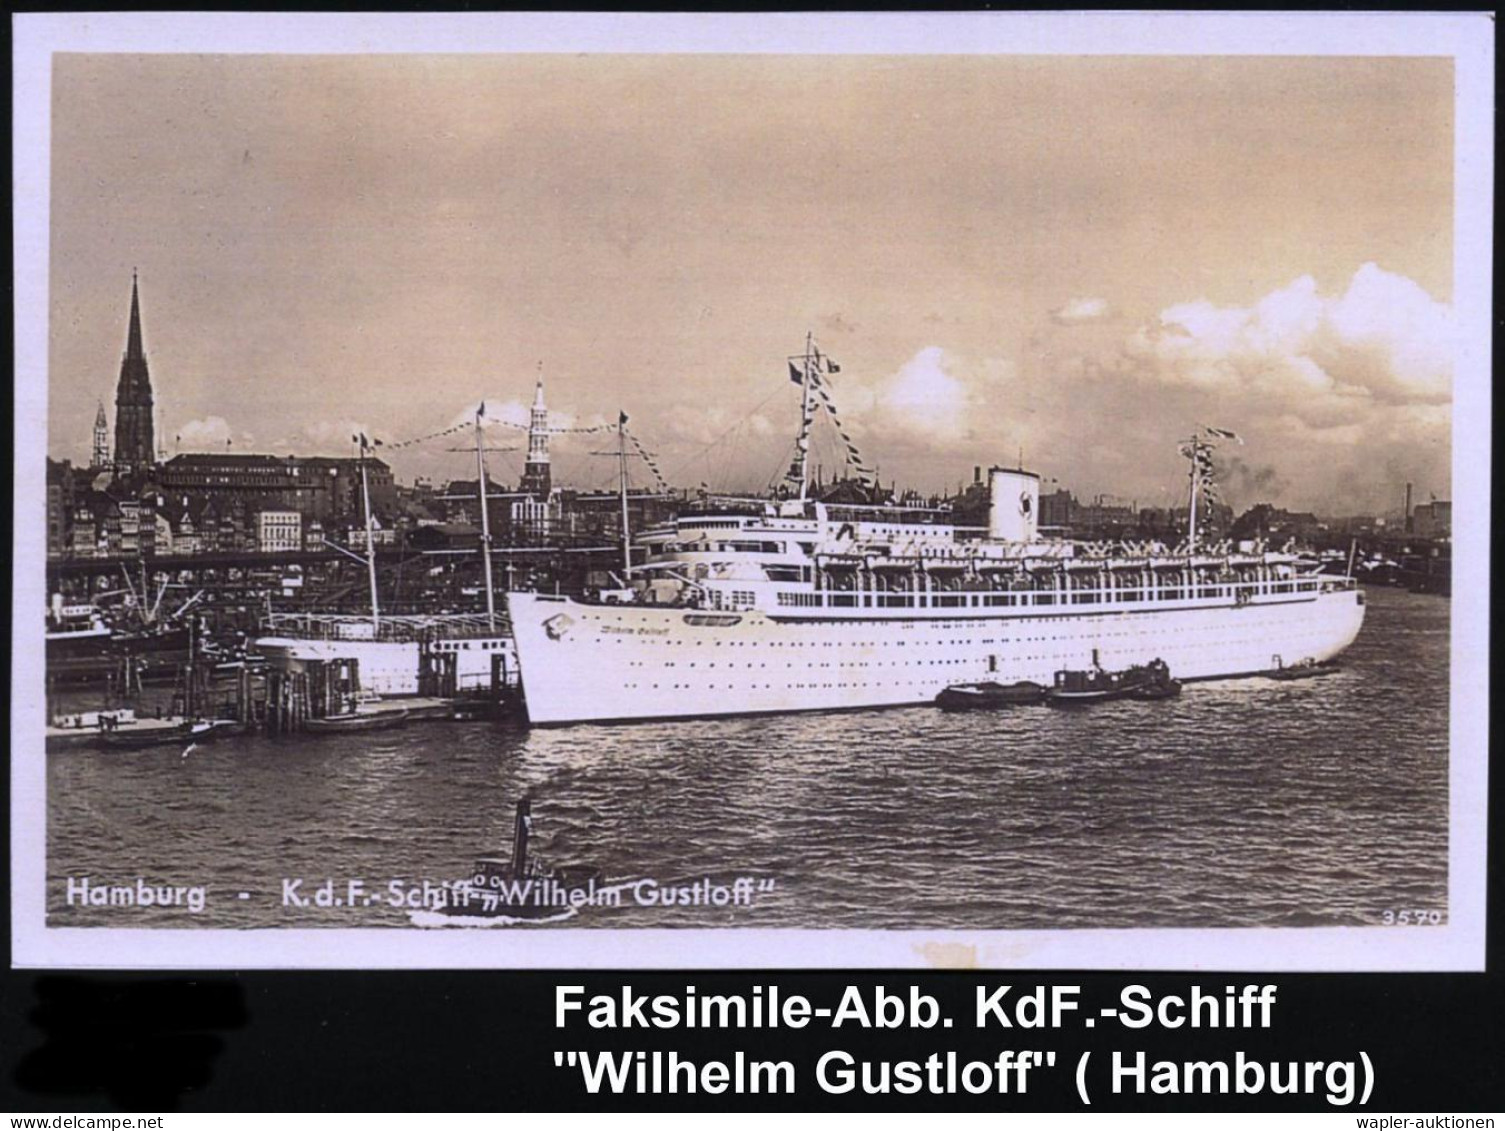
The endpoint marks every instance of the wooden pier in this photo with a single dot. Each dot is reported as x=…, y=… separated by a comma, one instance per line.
x=251, y=700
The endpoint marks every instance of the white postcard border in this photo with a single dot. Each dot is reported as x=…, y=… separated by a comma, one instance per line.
x=1467, y=38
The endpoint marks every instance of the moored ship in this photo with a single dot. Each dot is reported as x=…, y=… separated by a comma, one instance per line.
x=430, y=654
x=436, y=654
x=798, y=606
x=82, y=647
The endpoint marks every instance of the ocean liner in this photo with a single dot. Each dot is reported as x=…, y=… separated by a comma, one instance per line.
x=803, y=606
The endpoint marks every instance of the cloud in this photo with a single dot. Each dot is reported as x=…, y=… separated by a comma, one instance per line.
x=916, y=417
x=1079, y=310
x=503, y=410
x=498, y=408
x=1340, y=396
x=208, y=433
x=322, y=437
x=1329, y=361
x=924, y=397
x=706, y=424
x=932, y=418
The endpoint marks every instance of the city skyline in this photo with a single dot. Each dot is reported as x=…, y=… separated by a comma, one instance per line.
x=379, y=244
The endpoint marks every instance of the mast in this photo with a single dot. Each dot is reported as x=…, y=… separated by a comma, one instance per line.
x=189, y=673
x=485, y=520
x=370, y=543
x=622, y=484
x=1191, y=526
x=804, y=440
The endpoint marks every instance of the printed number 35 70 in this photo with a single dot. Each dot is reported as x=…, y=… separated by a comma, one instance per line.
x=1412, y=918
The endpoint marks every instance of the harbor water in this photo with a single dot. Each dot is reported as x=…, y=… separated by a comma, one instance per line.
x=1246, y=803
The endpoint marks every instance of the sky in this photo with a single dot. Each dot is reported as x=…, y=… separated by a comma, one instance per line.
x=1070, y=261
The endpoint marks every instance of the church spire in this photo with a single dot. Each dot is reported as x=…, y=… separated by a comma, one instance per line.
x=537, y=480
x=135, y=448
x=100, y=459
x=133, y=347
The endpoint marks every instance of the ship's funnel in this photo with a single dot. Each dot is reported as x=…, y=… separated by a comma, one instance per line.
x=1014, y=505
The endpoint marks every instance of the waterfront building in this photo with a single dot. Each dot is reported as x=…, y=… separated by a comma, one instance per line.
x=161, y=534
x=135, y=443
x=355, y=536
x=596, y=516
x=129, y=517
x=1057, y=509
x=61, y=490
x=532, y=519
x=1433, y=520
x=92, y=525
x=279, y=532
x=320, y=487
x=1275, y=524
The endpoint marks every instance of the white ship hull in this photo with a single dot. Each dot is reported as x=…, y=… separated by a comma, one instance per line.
x=597, y=663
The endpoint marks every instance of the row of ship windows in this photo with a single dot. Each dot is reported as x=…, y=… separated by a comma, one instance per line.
x=789, y=686
x=930, y=624
x=464, y=645
x=839, y=664
x=1013, y=658
x=840, y=685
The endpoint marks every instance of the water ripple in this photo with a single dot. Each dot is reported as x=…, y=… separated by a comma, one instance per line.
x=1247, y=803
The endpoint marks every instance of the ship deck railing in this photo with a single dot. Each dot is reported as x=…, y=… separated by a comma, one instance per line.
x=1210, y=592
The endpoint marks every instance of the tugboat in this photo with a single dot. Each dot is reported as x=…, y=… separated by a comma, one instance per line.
x=1097, y=685
x=523, y=887
x=1308, y=668
x=989, y=695
x=356, y=721
x=144, y=735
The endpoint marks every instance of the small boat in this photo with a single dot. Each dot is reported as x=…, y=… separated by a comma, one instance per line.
x=1098, y=685
x=144, y=736
x=523, y=887
x=356, y=721
x=989, y=695
x=1308, y=668
x=1159, y=689
x=83, y=728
